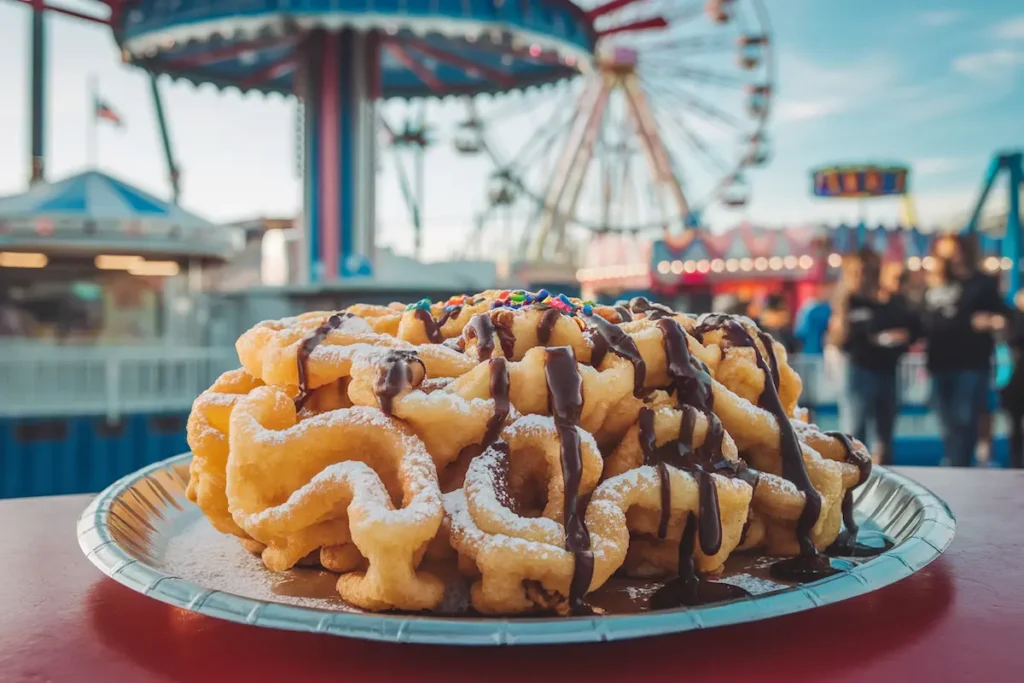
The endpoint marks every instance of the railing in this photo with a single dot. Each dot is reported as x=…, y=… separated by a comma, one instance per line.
x=825, y=380
x=110, y=381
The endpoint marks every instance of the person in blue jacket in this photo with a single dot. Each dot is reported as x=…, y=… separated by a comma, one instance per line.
x=812, y=323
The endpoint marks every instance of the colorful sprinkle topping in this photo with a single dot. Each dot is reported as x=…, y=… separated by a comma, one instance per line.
x=423, y=304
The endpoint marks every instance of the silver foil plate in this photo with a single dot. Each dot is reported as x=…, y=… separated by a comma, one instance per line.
x=144, y=533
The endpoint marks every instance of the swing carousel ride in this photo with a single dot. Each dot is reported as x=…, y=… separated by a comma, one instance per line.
x=667, y=124
x=626, y=118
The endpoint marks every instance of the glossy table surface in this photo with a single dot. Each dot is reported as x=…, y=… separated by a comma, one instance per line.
x=960, y=619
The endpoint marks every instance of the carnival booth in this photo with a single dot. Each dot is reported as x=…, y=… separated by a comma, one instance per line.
x=88, y=259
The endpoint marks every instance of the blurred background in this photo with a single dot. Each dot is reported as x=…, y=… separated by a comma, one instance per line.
x=172, y=173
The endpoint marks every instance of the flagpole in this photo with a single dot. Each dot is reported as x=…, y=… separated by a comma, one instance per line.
x=92, y=128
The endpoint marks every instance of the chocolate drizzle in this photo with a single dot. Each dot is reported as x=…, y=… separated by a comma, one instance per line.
x=306, y=347
x=810, y=565
x=648, y=447
x=653, y=311
x=483, y=328
x=624, y=314
x=773, y=362
x=605, y=337
x=499, y=394
x=689, y=589
x=547, y=325
x=450, y=312
x=846, y=544
x=692, y=386
x=430, y=326
x=565, y=401
x=395, y=374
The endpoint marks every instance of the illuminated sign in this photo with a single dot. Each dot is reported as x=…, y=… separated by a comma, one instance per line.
x=860, y=181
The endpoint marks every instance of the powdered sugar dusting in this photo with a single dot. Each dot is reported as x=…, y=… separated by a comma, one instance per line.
x=541, y=426
x=487, y=481
x=200, y=554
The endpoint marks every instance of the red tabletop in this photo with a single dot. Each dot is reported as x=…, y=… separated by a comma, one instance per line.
x=959, y=619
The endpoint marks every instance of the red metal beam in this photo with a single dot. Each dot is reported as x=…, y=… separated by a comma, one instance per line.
x=270, y=72
x=412, y=65
x=642, y=25
x=455, y=60
x=608, y=8
x=38, y=4
x=223, y=53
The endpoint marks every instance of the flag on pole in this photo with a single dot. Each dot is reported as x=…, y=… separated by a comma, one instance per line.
x=104, y=112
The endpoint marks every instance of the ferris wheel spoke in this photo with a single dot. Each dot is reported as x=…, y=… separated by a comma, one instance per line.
x=697, y=74
x=672, y=48
x=541, y=143
x=660, y=162
x=571, y=168
x=553, y=125
x=707, y=110
x=695, y=141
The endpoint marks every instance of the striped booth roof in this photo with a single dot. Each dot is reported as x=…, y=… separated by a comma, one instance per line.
x=93, y=212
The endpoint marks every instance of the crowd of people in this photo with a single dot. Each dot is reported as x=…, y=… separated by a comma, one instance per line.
x=956, y=317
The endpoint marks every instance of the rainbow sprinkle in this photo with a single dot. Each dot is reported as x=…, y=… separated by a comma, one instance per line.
x=423, y=304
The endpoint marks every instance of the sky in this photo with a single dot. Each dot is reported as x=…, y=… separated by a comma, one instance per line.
x=936, y=85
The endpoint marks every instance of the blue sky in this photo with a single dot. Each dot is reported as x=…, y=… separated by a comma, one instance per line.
x=937, y=85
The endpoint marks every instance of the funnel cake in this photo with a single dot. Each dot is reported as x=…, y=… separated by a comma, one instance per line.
x=351, y=476
x=577, y=443
x=207, y=434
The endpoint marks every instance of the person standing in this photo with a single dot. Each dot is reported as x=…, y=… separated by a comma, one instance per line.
x=963, y=308
x=874, y=328
x=1012, y=391
x=811, y=331
x=812, y=321
x=776, y=321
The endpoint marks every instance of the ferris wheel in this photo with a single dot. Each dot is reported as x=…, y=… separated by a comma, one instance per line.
x=668, y=122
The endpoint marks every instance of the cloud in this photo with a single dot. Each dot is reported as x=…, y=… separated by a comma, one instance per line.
x=993, y=65
x=1011, y=29
x=806, y=110
x=940, y=17
x=809, y=91
x=935, y=165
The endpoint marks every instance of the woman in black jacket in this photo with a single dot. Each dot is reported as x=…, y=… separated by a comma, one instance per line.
x=875, y=328
x=1013, y=393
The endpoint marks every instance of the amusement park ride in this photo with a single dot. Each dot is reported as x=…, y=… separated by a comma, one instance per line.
x=670, y=111
x=668, y=121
